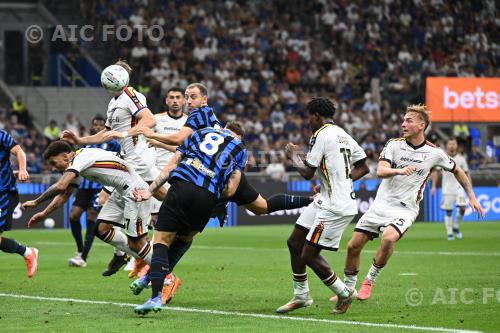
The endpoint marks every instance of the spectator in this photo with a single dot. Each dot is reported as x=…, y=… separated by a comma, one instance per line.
x=276, y=169
x=475, y=158
x=20, y=110
x=51, y=131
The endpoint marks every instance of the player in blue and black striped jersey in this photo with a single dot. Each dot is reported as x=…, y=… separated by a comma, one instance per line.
x=206, y=167
x=86, y=200
x=9, y=198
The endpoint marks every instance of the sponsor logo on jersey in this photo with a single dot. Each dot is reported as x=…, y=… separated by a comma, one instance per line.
x=195, y=163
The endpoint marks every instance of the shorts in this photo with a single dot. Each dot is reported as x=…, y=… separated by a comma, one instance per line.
x=86, y=198
x=448, y=201
x=155, y=203
x=144, y=164
x=245, y=193
x=8, y=202
x=374, y=221
x=187, y=208
x=124, y=212
x=324, y=227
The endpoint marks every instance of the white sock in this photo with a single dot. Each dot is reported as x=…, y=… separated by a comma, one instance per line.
x=373, y=273
x=300, y=284
x=336, y=285
x=120, y=241
x=119, y=253
x=448, y=222
x=457, y=221
x=27, y=253
x=146, y=253
x=350, y=280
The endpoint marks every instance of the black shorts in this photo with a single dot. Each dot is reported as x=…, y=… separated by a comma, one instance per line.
x=186, y=208
x=86, y=198
x=8, y=202
x=245, y=193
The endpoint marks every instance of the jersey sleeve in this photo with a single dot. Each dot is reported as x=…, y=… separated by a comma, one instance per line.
x=241, y=160
x=81, y=162
x=196, y=120
x=444, y=161
x=316, y=150
x=387, y=153
x=135, y=101
x=184, y=147
x=7, y=142
x=357, y=153
x=76, y=181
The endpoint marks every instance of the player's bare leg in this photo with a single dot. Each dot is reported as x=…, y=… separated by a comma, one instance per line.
x=301, y=297
x=389, y=238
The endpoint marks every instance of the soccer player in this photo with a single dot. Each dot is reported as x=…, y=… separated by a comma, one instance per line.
x=452, y=193
x=9, y=198
x=320, y=226
x=86, y=200
x=405, y=165
x=119, y=210
x=209, y=162
x=127, y=111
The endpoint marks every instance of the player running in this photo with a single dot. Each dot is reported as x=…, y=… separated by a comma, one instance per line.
x=452, y=193
x=321, y=224
x=9, y=198
x=209, y=162
x=405, y=166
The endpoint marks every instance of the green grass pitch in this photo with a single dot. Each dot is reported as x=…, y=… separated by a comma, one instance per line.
x=244, y=273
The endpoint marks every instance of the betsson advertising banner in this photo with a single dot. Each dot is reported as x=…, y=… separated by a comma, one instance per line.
x=463, y=99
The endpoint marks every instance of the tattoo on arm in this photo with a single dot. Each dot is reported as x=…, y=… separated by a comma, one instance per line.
x=50, y=193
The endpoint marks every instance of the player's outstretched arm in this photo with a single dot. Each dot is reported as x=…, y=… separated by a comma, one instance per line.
x=174, y=139
x=434, y=180
x=99, y=137
x=232, y=184
x=57, y=202
x=158, y=144
x=22, y=175
x=146, y=120
x=384, y=170
x=59, y=187
x=463, y=179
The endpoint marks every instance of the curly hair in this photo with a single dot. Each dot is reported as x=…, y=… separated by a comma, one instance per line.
x=322, y=106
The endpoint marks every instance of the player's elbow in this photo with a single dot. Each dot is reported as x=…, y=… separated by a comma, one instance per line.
x=61, y=187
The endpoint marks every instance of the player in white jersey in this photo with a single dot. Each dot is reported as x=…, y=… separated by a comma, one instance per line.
x=107, y=169
x=452, y=193
x=320, y=226
x=405, y=166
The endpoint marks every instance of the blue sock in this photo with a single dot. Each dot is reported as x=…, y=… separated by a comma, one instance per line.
x=9, y=245
x=159, y=268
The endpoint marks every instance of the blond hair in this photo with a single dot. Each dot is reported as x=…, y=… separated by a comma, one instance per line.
x=124, y=64
x=422, y=112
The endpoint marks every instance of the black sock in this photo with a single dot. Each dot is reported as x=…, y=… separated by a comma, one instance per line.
x=9, y=245
x=176, y=251
x=89, y=239
x=286, y=201
x=159, y=268
x=76, y=231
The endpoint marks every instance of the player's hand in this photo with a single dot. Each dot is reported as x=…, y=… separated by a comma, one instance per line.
x=22, y=175
x=153, y=143
x=29, y=204
x=146, y=131
x=110, y=135
x=70, y=136
x=141, y=194
x=316, y=189
x=290, y=150
x=408, y=170
x=35, y=218
x=474, y=204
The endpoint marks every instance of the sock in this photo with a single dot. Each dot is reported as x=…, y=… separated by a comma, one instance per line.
x=119, y=240
x=350, y=279
x=448, y=222
x=300, y=285
x=76, y=231
x=176, y=251
x=457, y=221
x=159, y=268
x=286, y=201
x=146, y=253
x=9, y=245
x=336, y=285
x=374, y=272
x=119, y=253
x=89, y=239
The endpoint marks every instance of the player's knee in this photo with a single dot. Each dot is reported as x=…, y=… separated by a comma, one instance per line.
x=389, y=239
x=448, y=213
x=294, y=245
x=74, y=214
x=354, y=247
x=102, y=228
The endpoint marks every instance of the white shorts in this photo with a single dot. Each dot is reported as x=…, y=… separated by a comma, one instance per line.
x=155, y=203
x=374, y=221
x=144, y=164
x=448, y=201
x=124, y=212
x=325, y=227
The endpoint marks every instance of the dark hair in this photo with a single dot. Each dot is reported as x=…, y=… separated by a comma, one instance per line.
x=452, y=138
x=322, y=106
x=236, y=127
x=203, y=89
x=57, y=147
x=175, y=89
x=98, y=117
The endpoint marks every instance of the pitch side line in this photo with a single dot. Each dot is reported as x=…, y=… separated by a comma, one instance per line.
x=243, y=314
x=207, y=247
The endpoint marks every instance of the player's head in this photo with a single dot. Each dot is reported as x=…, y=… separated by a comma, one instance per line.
x=236, y=128
x=58, y=154
x=175, y=100
x=98, y=124
x=125, y=65
x=196, y=96
x=451, y=146
x=320, y=109
x=415, y=121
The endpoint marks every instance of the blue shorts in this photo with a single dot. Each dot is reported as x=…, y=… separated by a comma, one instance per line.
x=8, y=202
